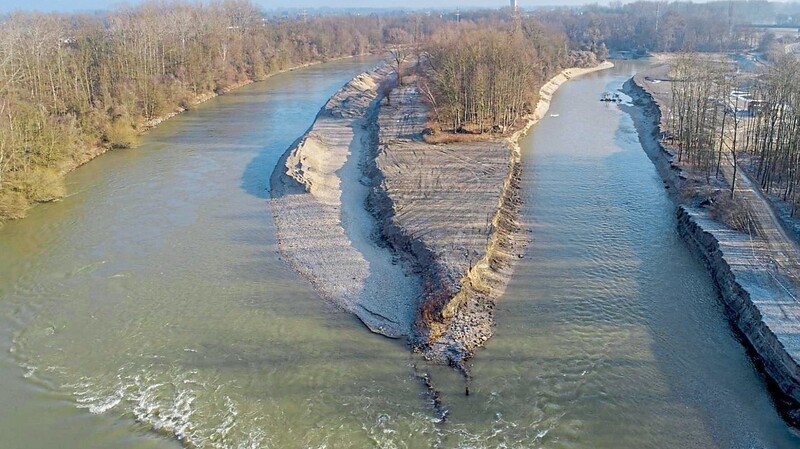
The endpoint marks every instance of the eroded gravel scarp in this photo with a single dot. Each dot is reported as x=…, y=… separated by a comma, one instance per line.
x=325, y=232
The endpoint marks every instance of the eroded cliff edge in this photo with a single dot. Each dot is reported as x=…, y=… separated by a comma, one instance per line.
x=756, y=273
x=318, y=195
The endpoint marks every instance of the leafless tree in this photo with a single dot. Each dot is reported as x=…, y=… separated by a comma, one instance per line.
x=400, y=42
x=69, y=82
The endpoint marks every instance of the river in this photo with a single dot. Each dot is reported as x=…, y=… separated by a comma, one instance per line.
x=150, y=308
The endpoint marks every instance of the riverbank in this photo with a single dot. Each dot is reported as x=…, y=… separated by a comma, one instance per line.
x=451, y=212
x=755, y=272
x=92, y=152
x=200, y=99
x=150, y=124
x=318, y=192
x=375, y=218
x=97, y=150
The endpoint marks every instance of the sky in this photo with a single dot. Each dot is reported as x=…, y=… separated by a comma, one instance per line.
x=84, y=5
x=73, y=5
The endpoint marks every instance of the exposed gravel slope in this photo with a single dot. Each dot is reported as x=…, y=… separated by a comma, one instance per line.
x=324, y=230
x=452, y=209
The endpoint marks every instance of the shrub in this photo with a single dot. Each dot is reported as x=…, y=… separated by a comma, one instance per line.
x=581, y=58
x=13, y=204
x=120, y=134
x=733, y=213
x=44, y=184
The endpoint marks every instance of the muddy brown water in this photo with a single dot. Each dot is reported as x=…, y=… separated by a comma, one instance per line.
x=150, y=308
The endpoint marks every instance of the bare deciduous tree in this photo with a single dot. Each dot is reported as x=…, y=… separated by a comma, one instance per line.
x=483, y=79
x=400, y=49
x=69, y=82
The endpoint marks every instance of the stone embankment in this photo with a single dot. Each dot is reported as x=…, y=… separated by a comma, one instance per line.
x=756, y=272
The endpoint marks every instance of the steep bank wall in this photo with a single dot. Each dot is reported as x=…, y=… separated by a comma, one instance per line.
x=452, y=211
x=754, y=298
x=761, y=300
x=650, y=126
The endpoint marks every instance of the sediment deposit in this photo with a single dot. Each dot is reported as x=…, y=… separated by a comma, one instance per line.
x=324, y=231
x=443, y=215
x=451, y=210
x=416, y=239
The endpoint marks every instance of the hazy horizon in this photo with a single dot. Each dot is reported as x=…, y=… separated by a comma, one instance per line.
x=88, y=5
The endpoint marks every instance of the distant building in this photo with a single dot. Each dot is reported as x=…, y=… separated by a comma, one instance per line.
x=514, y=5
x=740, y=103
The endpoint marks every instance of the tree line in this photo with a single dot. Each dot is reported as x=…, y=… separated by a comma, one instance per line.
x=73, y=83
x=670, y=26
x=483, y=77
x=701, y=113
x=772, y=137
x=720, y=116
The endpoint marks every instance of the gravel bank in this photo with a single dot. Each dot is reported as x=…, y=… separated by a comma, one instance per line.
x=324, y=230
x=451, y=211
x=416, y=239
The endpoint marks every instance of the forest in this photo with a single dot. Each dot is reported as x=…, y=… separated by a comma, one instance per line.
x=772, y=137
x=484, y=77
x=670, y=26
x=74, y=85
x=700, y=116
x=722, y=116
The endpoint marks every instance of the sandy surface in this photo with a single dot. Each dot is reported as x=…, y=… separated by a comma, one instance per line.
x=324, y=231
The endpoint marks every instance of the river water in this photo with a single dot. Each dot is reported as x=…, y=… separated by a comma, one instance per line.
x=150, y=308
